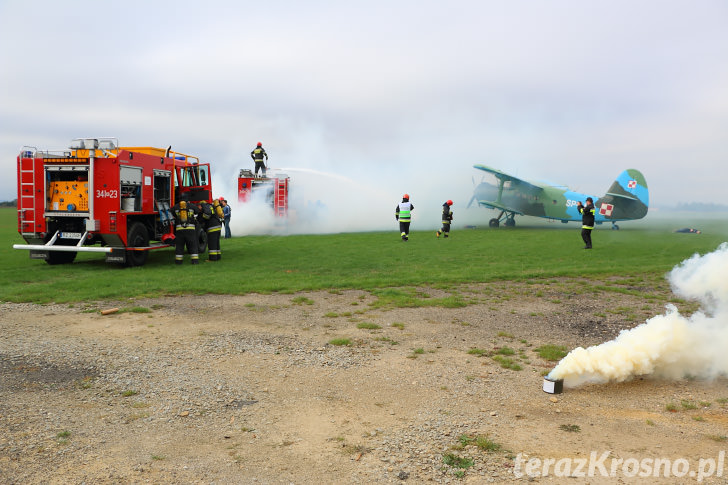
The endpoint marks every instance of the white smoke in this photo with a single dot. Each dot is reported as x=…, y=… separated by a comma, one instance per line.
x=318, y=203
x=323, y=202
x=671, y=345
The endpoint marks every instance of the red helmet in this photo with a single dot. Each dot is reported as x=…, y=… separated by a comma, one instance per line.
x=221, y=198
x=405, y=196
x=260, y=144
x=449, y=202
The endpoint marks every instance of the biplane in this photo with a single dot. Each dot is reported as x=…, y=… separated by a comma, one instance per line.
x=627, y=199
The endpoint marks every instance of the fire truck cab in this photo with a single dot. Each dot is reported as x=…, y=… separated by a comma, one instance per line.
x=97, y=196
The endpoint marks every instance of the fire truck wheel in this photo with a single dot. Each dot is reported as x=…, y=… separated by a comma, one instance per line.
x=201, y=239
x=61, y=257
x=138, y=238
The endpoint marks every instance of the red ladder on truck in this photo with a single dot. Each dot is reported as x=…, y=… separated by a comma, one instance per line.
x=280, y=206
x=26, y=182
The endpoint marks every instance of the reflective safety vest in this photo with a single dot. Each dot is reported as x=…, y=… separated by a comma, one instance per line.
x=258, y=154
x=587, y=216
x=405, y=213
x=446, y=214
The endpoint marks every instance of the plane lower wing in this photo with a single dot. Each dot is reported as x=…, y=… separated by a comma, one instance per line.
x=494, y=205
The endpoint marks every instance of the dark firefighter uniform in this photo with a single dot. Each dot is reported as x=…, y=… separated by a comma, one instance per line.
x=257, y=155
x=403, y=213
x=587, y=221
x=446, y=219
x=211, y=218
x=185, y=234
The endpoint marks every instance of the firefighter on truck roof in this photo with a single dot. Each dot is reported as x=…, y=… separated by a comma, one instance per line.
x=257, y=155
x=185, y=231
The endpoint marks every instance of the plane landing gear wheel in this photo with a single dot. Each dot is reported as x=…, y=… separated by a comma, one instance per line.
x=615, y=227
x=138, y=238
x=494, y=223
x=510, y=222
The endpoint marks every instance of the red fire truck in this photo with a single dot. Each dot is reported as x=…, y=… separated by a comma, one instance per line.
x=97, y=196
x=273, y=189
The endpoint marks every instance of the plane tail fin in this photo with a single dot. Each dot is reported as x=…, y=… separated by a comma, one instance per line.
x=627, y=198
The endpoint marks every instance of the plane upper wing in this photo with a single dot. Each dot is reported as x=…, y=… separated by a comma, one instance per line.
x=515, y=181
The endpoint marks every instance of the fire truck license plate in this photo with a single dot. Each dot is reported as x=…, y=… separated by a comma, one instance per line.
x=70, y=235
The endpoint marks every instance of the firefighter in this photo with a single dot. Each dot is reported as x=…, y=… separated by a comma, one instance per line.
x=257, y=155
x=403, y=214
x=211, y=217
x=446, y=219
x=587, y=221
x=185, y=231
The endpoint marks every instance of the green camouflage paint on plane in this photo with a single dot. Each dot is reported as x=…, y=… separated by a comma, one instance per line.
x=626, y=199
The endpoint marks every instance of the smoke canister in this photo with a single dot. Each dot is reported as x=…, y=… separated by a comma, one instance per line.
x=553, y=386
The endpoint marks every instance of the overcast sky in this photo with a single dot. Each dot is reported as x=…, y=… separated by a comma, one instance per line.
x=397, y=96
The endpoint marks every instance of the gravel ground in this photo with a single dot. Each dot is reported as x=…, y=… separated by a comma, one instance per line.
x=249, y=389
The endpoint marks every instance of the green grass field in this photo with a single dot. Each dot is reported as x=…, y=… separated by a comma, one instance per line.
x=368, y=261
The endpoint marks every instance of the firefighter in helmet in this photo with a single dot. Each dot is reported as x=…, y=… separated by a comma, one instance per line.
x=446, y=219
x=211, y=217
x=403, y=213
x=587, y=221
x=185, y=214
x=257, y=155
